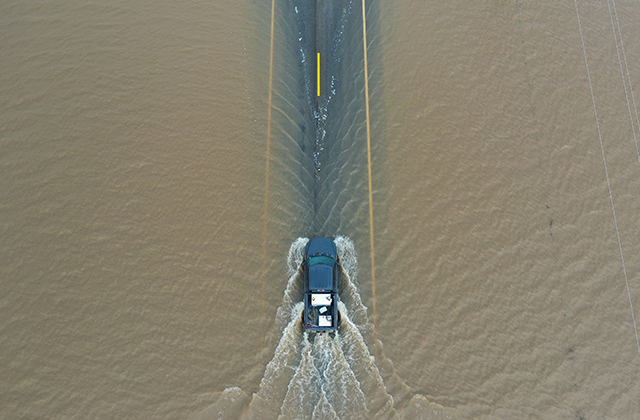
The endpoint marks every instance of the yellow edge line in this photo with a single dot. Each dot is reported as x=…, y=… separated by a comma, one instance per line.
x=366, y=95
x=318, y=74
x=265, y=217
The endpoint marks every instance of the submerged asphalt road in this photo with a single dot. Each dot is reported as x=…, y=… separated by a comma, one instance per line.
x=331, y=130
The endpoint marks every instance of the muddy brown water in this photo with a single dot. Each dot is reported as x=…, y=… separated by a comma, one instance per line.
x=134, y=278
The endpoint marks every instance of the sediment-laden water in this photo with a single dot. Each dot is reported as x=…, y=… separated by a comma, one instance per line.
x=143, y=265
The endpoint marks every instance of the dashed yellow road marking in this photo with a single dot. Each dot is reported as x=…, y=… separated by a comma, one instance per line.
x=318, y=74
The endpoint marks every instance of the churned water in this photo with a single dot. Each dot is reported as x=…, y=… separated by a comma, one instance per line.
x=324, y=376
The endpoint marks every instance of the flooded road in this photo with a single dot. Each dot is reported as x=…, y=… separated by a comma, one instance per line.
x=145, y=275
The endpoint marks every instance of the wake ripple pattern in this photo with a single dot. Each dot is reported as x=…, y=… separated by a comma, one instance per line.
x=322, y=376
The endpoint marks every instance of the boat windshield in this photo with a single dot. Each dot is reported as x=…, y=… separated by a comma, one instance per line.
x=321, y=259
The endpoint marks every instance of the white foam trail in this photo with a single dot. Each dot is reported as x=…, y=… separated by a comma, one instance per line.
x=348, y=257
x=338, y=381
x=324, y=376
x=363, y=364
x=296, y=255
x=280, y=370
x=303, y=390
x=293, y=292
x=349, y=285
x=324, y=410
x=331, y=375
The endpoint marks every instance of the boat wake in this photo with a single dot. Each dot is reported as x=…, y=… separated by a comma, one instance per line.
x=326, y=375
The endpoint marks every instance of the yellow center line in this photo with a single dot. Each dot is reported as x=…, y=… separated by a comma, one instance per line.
x=265, y=217
x=318, y=74
x=366, y=95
